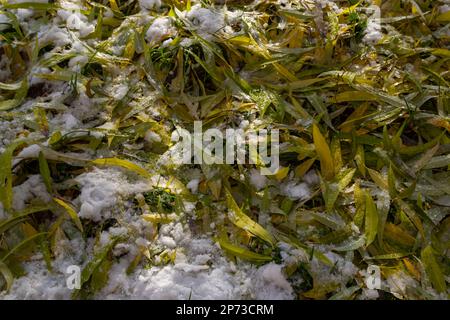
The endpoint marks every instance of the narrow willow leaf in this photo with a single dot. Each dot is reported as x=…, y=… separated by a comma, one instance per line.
x=378, y=179
x=321, y=109
x=100, y=275
x=397, y=234
x=324, y=154
x=303, y=168
x=345, y=293
x=10, y=86
x=45, y=172
x=383, y=205
x=391, y=183
x=22, y=244
x=360, y=159
x=389, y=256
x=332, y=189
x=31, y=5
x=438, y=162
x=371, y=226
x=360, y=204
x=19, y=96
x=72, y=213
x=412, y=215
x=242, y=252
x=281, y=173
x=6, y=193
x=433, y=270
x=241, y=220
x=94, y=264
x=7, y=275
x=45, y=249
x=352, y=244
x=122, y=163
x=413, y=150
x=337, y=154
x=21, y=217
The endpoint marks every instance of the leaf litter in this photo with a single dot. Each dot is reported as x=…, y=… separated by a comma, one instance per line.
x=90, y=92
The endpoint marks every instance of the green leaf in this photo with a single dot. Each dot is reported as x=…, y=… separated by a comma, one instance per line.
x=433, y=270
x=242, y=252
x=6, y=194
x=20, y=217
x=7, y=275
x=241, y=220
x=21, y=244
x=332, y=189
x=45, y=172
x=352, y=244
x=122, y=163
x=72, y=213
x=93, y=266
x=391, y=183
x=371, y=226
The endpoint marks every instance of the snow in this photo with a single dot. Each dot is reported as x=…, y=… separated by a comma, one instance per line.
x=257, y=179
x=296, y=191
x=76, y=63
x=444, y=8
x=32, y=188
x=65, y=122
x=160, y=28
x=31, y=151
x=150, y=4
x=39, y=283
x=193, y=185
x=151, y=136
x=369, y=294
x=74, y=19
x=53, y=35
x=200, y=271
x=120, y=91
x=205, y=21
x=100, y=190
x=271, y=283
x=311, y=178
x=373, y=32
x=4, y=21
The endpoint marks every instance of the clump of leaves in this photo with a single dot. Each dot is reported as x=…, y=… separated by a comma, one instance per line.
x=160, y=199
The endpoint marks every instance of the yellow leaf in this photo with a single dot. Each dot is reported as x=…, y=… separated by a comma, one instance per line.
x=324, y=154
x=304, y=167
x=378, y=179
x=445, y=17
x=71, y=213
x=281, y=173
x=242, y=252
x=241, y=220
x=28, y=229
x=122, y=163
x=441, y=52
